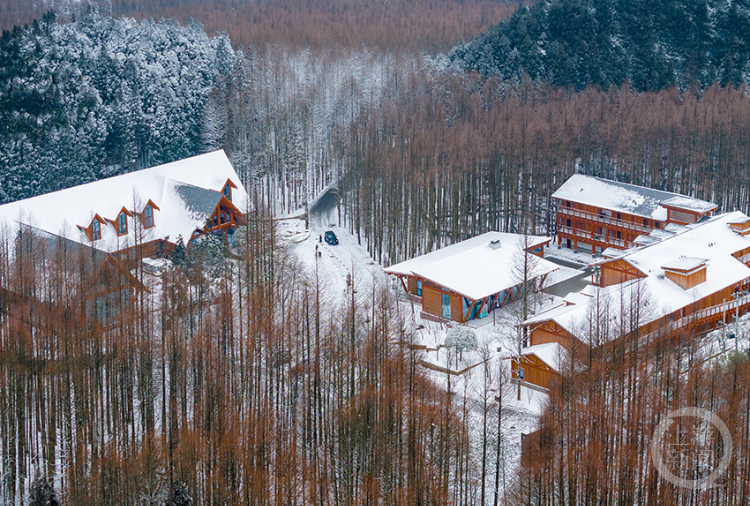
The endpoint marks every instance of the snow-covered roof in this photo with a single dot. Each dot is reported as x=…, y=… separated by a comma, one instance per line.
x=713, y=242
x=624, y=197
x=645, y=239
x=684, y=263
x=610, y=253
x=552, y=354
x=185, y=192
x=690, y=204
x=473, y=268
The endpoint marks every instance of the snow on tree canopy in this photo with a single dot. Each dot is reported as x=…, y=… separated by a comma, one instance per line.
x=462, y=339
x=99, y=96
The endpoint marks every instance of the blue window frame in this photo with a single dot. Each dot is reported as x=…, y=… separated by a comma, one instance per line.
x=123, y=224
x=148, y=214
x=96, y=231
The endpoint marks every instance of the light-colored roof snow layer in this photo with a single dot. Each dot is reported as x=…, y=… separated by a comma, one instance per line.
x=690, y=204
x=474, y=269
x=684, y=263
x=624, y=197
x=552, y=354
x=656, y=295
x=186, y=192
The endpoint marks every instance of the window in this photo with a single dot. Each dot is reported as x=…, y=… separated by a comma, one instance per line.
x=520, y=373
x=419, y=287
x=148, y=215
x=96, y=231
x=228, y=191
x=123, y=224
x=446, y=306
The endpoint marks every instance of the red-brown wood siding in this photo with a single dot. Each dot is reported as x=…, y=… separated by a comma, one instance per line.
x=535, y=371
x=616, y=272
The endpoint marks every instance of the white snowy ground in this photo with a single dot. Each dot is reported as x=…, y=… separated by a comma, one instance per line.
x=719, y=344
x=579, y=257
x=334, y=266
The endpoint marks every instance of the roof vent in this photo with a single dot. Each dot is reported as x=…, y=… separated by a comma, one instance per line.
x=495, y=244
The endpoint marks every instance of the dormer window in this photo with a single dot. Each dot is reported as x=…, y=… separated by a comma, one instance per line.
x=227, y=191
x=122, y=224
x=148, y=216
x=96, y=231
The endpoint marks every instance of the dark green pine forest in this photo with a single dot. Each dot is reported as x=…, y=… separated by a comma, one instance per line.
x=651, y=45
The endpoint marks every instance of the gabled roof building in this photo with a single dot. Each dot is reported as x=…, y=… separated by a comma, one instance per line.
x=686, y=277
x=149, y=208
x=594, y=214
x=468, y=279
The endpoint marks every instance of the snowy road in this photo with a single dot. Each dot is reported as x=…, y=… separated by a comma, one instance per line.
x=335, y=264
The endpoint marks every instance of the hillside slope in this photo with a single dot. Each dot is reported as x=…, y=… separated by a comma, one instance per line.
x=652, y=44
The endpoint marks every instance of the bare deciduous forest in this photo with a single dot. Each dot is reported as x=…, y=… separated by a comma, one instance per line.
x=247, y=385
x=404, y=26
x=455, y=157
x=236, y=380
x=594, y=443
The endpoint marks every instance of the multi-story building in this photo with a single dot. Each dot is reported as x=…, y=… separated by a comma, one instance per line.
x=595, y=214
x=147, y=209
x=689, y=277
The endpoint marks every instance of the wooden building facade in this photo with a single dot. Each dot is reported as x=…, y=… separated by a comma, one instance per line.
x=668, y=292
x=469, y=279
x=539, y=365
x=141, y=214
x=594, y=214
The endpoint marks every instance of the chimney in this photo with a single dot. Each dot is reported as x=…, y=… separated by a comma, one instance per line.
x=495, y=244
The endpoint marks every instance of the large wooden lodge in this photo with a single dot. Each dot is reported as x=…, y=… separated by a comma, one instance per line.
x=594, y=214
x=147, y=209
x=690, y=277
x=105, y=224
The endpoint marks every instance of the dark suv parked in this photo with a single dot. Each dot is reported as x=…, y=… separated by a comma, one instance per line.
x=331, y=238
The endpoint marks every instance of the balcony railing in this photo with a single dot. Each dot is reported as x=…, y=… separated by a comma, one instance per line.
x=583, y=234
x=729, y=308
x=603, y=219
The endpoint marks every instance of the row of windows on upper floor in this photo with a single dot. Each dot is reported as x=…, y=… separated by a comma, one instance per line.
x=147, y=216
x=121, y=223
x=606, y=214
